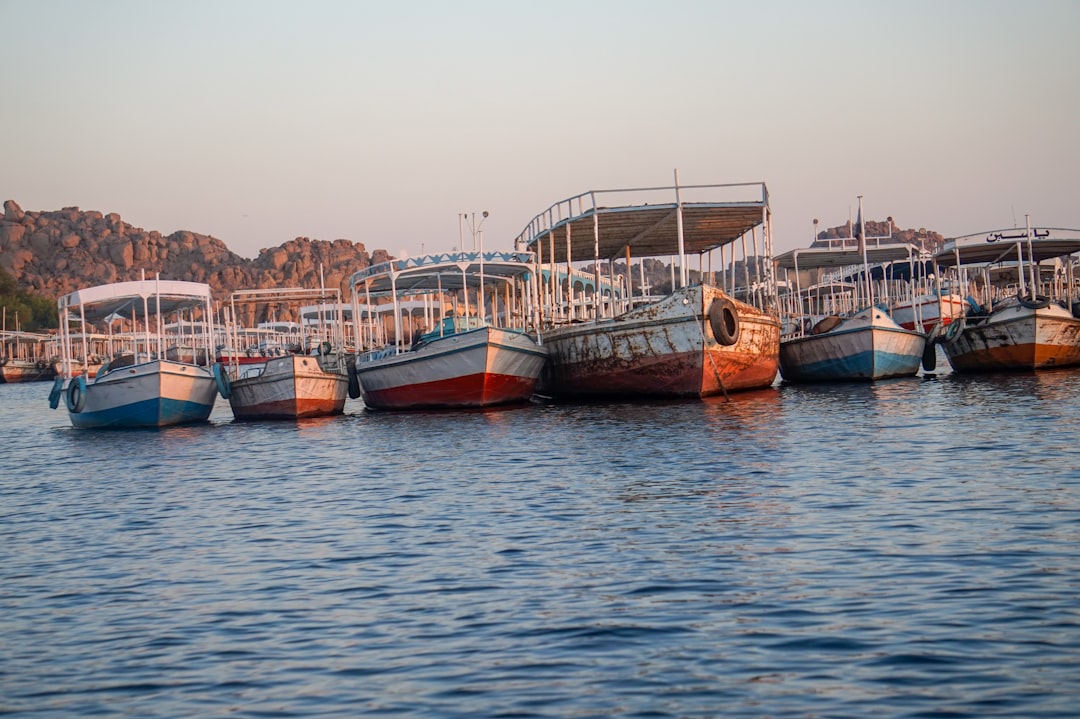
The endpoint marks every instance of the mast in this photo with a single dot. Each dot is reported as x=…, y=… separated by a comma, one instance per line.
x=1031, y=259
x=862, y=248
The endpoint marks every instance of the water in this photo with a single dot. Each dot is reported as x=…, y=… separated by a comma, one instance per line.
x=908, y=549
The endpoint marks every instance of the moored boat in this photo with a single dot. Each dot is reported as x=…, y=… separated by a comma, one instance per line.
x=608, y=338
x=928, y=310
x=140, y=388
x=284, y=384
x=840, y=329
x=1025, y=281
x=24, y=357
x=868, y=345
x=479, y=358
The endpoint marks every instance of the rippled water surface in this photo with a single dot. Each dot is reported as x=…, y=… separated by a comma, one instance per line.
x=909, y=548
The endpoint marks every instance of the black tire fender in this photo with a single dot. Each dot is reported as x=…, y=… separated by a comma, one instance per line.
x=724, y=321
x=75, y=397
x=354, y=381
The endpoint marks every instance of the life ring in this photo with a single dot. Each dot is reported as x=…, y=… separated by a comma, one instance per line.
x=724, y=321
x=354, y=381
x=55, y=392
x=221, y=378
x=76, y=394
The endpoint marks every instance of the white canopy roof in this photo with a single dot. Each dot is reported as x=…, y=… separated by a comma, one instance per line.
x=812, y=258
x=126, y=299
x=450, y=271
x=1000, y=246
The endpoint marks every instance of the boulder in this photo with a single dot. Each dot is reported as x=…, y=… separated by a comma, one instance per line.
x=12, y=211
x=11, y=234
x=40, y=242
x=122, y=254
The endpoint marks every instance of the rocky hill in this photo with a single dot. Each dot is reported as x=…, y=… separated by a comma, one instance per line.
x=922, y=238
x=55, y=252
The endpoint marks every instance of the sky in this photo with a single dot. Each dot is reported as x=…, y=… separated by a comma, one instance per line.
x=260, y=121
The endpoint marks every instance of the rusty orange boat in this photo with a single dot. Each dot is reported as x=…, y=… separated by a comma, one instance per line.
x=607, y=334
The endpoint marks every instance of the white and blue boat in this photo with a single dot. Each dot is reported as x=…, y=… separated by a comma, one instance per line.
x=868, y=345
x=841, y=328
x=144, y=383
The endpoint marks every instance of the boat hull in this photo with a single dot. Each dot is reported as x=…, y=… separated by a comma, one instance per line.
x=1015, y=338
x=928, y=309
x=869, y=346
x=290, y=387
x=14, y=370
x=478, y=368
x=153, y=394
x=666, y=349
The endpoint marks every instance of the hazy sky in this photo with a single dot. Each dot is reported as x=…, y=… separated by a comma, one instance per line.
x=257, y=122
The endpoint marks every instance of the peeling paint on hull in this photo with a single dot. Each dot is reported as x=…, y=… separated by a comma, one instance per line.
x=866, y=347
x=1017, y=338
x=666, y=349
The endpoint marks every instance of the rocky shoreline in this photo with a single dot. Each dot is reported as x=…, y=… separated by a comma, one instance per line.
x=55, y=252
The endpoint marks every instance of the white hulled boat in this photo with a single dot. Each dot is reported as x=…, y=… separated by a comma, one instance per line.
x=284, y=384
x=140, y=388
x=841, y=329
x=474, y=355
x=1025, y=282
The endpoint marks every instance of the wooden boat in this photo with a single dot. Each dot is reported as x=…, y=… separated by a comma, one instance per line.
x=465, y=360
x=1028, y=300
x=285, y=385
x=254, y=345
x=868, y=345
x=24, y=357
x=927, y=310
x=98, y=347
x=142, y=388
x=608, y=337
x=837, y=331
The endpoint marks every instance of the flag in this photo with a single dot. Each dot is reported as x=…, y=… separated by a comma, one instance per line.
x=859, y=234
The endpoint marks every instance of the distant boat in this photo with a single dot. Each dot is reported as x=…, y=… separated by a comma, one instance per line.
x=25, y=357
x=926, y=311
x=140, y=388
x=841, y=331
x=279, y=384
x=92, y=351
x=608, y=334
x=1029, y=298
x=464, y=360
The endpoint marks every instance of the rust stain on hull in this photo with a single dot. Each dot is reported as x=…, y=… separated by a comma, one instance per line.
x=1029, y=343
x=666, y=349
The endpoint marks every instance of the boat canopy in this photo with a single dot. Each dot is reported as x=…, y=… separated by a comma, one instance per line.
x=1000, y=246
x=447, y=271
x=128, y=299
x=812, y=258
x=587, y=229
